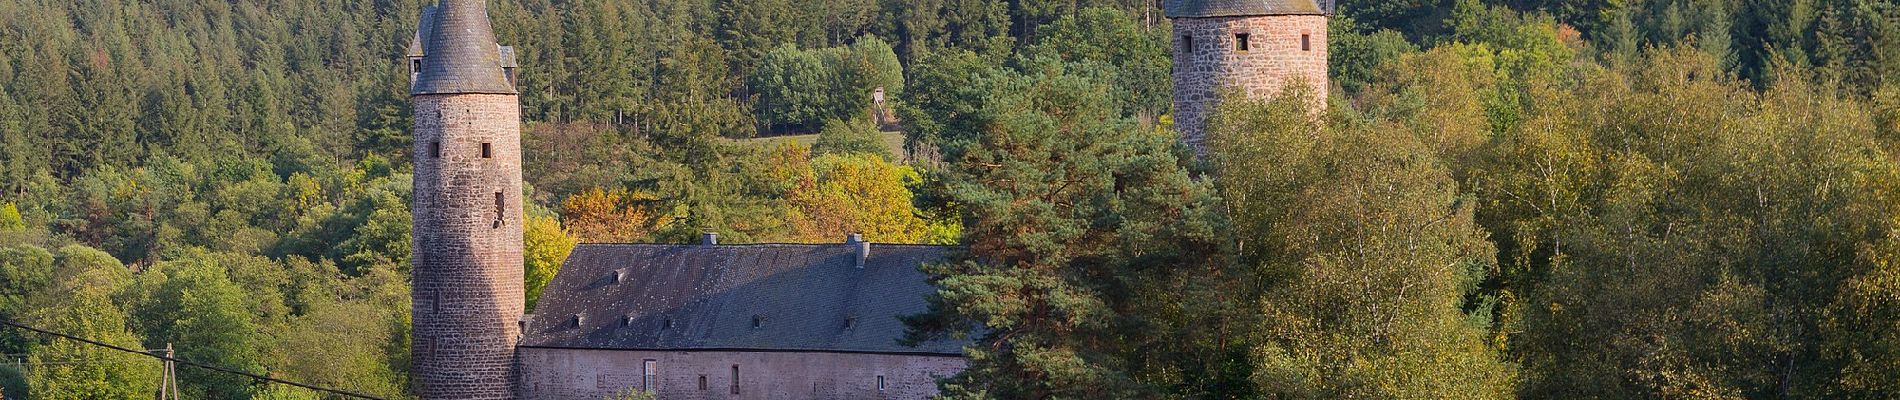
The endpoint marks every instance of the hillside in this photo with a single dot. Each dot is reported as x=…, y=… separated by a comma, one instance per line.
x=1503, y=198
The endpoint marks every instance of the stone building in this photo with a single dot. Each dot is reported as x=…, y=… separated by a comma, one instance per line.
x=466, y=249
x=1256, y=47
x=684, y=321
x=708, y=321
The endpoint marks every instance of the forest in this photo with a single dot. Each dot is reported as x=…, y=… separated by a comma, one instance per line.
x=1502, y=199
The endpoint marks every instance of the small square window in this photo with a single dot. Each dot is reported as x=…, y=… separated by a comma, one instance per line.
x=488, y=150
x=1240, y=42
x=1306, y=42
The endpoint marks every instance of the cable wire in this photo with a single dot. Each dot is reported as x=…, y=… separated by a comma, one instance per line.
x=190, y=363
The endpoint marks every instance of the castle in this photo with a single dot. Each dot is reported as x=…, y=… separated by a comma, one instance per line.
x=706, y=321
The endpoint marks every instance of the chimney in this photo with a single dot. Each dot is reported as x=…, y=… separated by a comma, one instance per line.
x=863, y=247
x=709, y=239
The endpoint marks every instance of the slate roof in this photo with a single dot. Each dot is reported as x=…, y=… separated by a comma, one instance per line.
x=1236, y=8
x=459, y=51
x=706, y=297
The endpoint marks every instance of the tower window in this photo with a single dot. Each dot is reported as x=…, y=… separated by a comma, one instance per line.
x=1187, y=44
x=1240, y=42
x=702, y=382
x=435, y=149
x=735, y=379
x=880, y=383
x=500, y=205
x=488, y=150
x=1306, y=42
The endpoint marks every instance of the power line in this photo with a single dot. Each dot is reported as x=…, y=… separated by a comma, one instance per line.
x=190, y=363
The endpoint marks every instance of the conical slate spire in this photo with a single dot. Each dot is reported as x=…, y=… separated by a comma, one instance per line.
x=460, y=55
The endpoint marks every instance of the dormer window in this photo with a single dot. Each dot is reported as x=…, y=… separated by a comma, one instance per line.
x=510, y=74
x=415, y=65
x=758, y=321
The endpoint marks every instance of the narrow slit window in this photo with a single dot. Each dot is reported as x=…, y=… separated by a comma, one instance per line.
x=1187, y=44
x=501, y=204
x=702, y=382
x=1240, y=42
x=1306, y=42
x=435, y=149
x=880, y=383
x=647, y=376
x=735, y=379
x=488, y=150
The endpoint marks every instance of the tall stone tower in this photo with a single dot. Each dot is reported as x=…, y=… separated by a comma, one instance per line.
x=467, y=293
x=1254, y=46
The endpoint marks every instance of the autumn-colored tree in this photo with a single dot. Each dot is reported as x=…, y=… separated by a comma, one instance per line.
x=613, y=216
x=545, y=246
x=862, y=193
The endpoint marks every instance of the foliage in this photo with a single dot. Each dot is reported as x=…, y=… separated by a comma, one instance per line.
x=10, y=219
x=801, y=89
x=854, y=136
x=1085, y=235
x=602, y=216
x=631, y=394
x=545, y=245
x=1372, y=254
x=80, y=303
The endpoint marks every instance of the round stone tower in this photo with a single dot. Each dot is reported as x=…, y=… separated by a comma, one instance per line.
x=467, y=290
x=1256, y=47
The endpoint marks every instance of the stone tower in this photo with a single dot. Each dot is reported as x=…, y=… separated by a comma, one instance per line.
x=467, y=293
x=1254, y=46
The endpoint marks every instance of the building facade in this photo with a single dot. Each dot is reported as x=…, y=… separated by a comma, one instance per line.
x=466, y=233
x=709, y=321
x=1254, y=47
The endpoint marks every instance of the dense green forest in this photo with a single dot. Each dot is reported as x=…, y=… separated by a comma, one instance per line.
x=1510, y=198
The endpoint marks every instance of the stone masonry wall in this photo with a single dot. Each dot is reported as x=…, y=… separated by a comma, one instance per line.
x=467, y=290
x=592, y=374
x=1273, y=60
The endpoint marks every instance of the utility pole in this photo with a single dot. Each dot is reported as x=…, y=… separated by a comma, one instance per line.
x=168, y=383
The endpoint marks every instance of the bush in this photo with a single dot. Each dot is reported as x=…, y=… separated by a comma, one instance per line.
x=854, y=136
